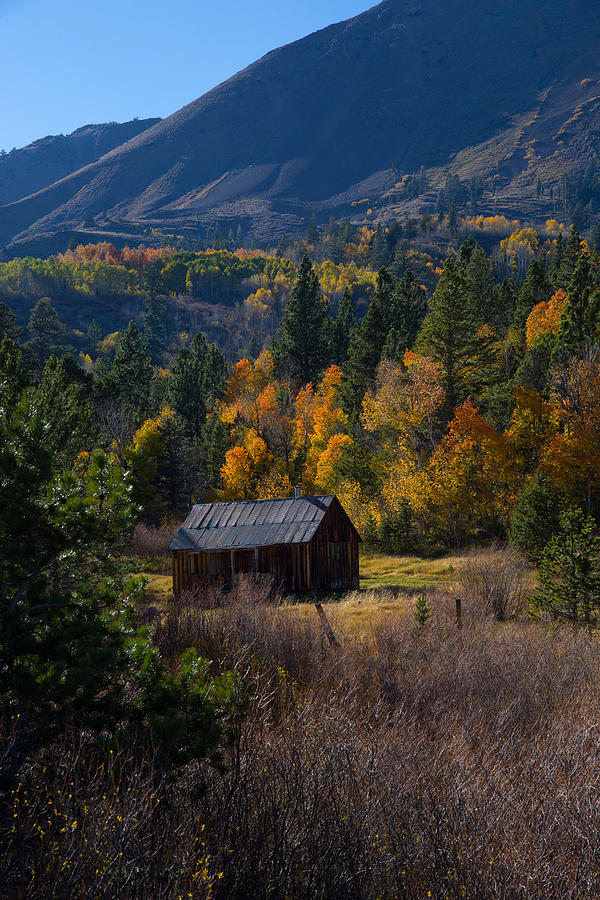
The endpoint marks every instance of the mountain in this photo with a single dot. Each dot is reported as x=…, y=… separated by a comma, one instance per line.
x=32, y=168
x=501, y=92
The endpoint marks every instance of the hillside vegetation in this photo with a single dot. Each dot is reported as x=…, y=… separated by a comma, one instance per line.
x=218, y=745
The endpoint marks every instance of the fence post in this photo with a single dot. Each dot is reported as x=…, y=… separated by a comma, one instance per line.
x=459, y=612
x=326, y=626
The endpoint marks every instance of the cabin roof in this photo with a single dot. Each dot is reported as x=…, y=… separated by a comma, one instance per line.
x=257, y=523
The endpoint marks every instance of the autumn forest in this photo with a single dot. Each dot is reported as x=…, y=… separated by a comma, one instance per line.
x=441, y=376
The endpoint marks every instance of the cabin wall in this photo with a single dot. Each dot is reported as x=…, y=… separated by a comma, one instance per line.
x=335, y=551
x=330, y=562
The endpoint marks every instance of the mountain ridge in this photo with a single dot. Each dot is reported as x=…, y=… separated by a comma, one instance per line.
x=27, y=170
x=311, y=125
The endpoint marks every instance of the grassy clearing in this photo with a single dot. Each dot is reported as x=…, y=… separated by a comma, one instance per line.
x=388, y=589
x=159, y=590
x=406, y=572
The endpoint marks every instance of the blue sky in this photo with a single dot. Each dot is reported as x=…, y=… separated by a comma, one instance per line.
x=69, y=62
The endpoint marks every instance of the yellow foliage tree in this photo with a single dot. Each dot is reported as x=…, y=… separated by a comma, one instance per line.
x=237, y=475
x=468, y=484
x=143, y=456
x=404, y=400
x=545, y=317
x=533, y=424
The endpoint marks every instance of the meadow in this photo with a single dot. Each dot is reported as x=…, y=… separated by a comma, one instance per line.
x=415, y=760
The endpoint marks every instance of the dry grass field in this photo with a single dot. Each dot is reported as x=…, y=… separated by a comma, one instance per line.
x=413, y=762
x=389, y=586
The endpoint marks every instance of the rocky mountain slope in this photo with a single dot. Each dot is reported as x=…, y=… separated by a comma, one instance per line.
x=504, y=92
x=35, y=167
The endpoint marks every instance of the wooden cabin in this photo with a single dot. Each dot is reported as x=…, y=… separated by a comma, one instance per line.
x=304, y=543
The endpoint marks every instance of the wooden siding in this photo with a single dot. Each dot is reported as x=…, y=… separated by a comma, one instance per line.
x=327, y=563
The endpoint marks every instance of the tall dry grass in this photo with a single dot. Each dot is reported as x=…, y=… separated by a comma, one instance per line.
x=408, y=763
x=497, y=577
x=151, y=541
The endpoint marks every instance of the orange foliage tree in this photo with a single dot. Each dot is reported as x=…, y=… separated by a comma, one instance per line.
x=468, y=486
x=572, y=458
x=545, y=317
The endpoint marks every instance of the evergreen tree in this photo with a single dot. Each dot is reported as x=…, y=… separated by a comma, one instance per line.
x=312, y=234
x=407, y=310
x=62, y=403
x=94, y=336
x=48, y=335
x=304, y=342
x=579, y=321
x=452, y=219
x=62, y=644
x=214, y=375
x=69, y=655
x=366, y=346
x=130, y=376
x=254, y=348
x=345, y=323
x=557, y=259
x=155, y=332
x=570, y=572
x=482, y=286
x=535, y=367
x=569, y=259
x=535, y=289
x=185, y=388
x=380, y=250
x=451, y=336
x=14, y=375
x=395, y=345
x=8, y=324
x=507, y=304
x=536, y=517
x=217, y=444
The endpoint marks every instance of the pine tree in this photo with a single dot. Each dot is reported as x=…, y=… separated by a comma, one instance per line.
x=62, y=403
x=197, y=378
x=254, y=348
x=8, y=324
x=507, y=304
x=536, y=517
x=131, y=372
x=217, y=444
x=569, y=259
x=579, y=321
x=14, y=375
x=451, y=336
x=407, y=310
x=535, y=289
x=569, y=572
x=214, y=375
x=94, y=336
x=557, y=259
x=380, y=250
x=345, y=323
x=366, y=346
x=69, y=655
x=184, y=391
x=312, y=234
x=155, y=332
x=303, y=346
x=452, y=219
x=482, y=285
x=48, y=335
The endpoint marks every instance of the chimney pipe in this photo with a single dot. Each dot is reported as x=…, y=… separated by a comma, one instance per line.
x=297, y=493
